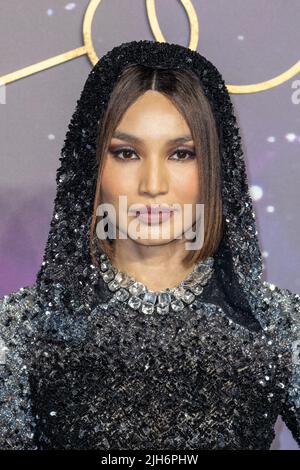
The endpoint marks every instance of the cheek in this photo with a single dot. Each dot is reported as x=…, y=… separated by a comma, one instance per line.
x=188, y=185
x=115, y=182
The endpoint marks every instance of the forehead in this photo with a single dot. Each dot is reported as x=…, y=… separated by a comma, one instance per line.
x=153, y=114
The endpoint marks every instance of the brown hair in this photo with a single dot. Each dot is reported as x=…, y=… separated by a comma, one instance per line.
x=183, y=88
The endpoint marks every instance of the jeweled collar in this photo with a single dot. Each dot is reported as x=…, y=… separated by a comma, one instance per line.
x=127, y=289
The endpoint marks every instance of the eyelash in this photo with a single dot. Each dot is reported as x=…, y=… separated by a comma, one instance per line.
x=191, y=154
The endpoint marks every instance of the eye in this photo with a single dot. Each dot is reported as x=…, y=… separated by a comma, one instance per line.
x=126, y=153
x=190, y=155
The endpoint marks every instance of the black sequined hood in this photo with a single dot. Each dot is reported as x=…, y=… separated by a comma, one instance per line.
x=66, y=278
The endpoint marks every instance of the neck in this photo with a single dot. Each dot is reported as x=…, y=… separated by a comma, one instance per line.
x=157, y=267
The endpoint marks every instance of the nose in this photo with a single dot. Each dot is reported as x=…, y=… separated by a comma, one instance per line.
x=153, y=177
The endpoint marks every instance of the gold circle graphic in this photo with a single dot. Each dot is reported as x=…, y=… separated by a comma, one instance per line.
x=88, y=49
x=194, y=37
x=158, y=35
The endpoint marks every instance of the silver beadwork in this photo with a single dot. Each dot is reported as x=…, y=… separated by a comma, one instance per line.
x=139, y=297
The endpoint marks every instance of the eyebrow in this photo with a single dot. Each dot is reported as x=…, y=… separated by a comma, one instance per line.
x=135, y=140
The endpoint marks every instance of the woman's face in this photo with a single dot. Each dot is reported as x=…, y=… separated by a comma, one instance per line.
x=145, y=164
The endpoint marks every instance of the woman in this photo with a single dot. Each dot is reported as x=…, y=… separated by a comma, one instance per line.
x=133, y=339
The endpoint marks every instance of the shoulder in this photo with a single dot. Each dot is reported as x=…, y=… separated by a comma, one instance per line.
x=281, y=310
x=18, y=297
x=16, y=306
x=284, y=302
x=278, y=310
x=282, y=293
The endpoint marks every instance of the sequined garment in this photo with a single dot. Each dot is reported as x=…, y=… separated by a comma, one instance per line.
x=84, y=370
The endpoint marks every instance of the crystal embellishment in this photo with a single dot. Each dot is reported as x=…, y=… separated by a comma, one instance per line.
x=139, y=297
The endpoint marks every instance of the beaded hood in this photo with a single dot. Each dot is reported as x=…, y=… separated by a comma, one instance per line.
x=66, y=276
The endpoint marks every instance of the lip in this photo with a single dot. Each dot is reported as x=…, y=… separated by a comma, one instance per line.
x=152, y=209
x=153, y=213
x=154, y=218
